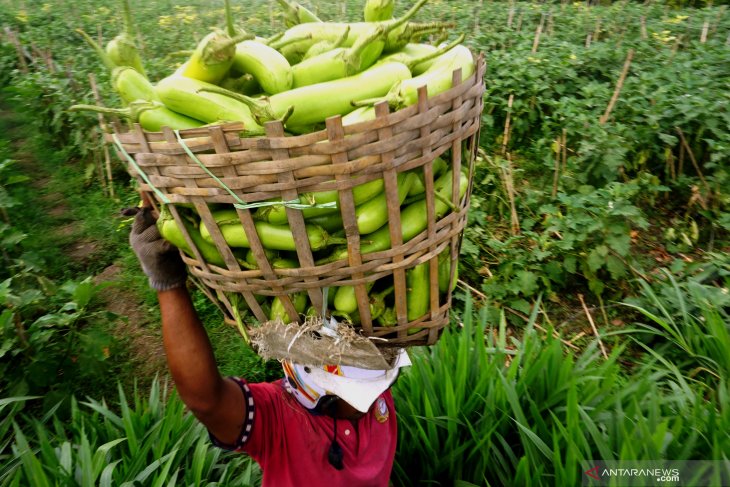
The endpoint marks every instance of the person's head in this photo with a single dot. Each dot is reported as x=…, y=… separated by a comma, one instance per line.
x=323, y=389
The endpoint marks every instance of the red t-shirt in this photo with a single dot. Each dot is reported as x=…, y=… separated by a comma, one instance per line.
x=291, y=444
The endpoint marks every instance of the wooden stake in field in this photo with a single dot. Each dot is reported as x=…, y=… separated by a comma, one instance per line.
x=565, y=150
x=13, y=38
x=510, y=187
x=556, y=173
x=104, y=128
x=588, y=40
x=670, y=164
x=692, y=158
x=705, y=29
x=597, y=30
x=619, y=85
x=505, y=135
x=45, y=55
x=507, y=170
x=680, y=163
x=538, y=33
x=593, y=326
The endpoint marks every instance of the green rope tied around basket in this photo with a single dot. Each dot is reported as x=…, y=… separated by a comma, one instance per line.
x=139, y=170
x=240, y=204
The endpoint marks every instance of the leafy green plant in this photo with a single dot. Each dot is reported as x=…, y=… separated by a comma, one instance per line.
x=8, y=177
x=10, y=408
x=585, y=235
x=691, y=318
x=150, y=440
x=667, y=131
x=486, y=409
x=10, y=236
x=47, y=345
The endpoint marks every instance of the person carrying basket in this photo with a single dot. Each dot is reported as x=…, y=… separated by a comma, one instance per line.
x=329, y=425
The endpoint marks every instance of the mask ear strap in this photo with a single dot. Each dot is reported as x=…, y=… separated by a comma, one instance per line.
x=335, y=453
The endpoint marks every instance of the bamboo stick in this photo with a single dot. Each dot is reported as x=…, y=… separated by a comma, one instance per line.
x=105, y=128
x=670, y=164
x=577, y=337
x=510, y=187
x=556, y=174
x=680, y=164
x=619, y=85
x=538, y=33
x=692, y=158
x=597, y=30
x=506, y=134
x=100, y=169
x=13, y=38
x=550, y=24
x=593, y=326
x=705, y=29
x=519, y=21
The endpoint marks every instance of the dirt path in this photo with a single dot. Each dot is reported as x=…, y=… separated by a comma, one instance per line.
x=143, y=355
x=145, y=352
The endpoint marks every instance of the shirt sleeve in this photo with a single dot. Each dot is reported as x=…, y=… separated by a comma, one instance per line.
x=269, y=408
x=247, y=424
x=276, y=412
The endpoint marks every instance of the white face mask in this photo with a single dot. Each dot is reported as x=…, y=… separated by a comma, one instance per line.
x=358, y=387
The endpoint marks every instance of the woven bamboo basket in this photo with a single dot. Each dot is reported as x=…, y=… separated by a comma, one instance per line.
x=215, y=165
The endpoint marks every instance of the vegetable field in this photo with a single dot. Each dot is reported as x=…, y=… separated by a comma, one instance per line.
x=591, y=315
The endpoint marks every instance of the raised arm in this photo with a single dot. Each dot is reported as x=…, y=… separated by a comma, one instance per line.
x=217, y=402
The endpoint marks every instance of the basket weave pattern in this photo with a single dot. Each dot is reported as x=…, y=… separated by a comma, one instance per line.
x=337, y=158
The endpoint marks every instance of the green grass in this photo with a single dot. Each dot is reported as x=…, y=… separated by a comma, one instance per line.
x=486, y=409
x=478, y=408
x=143, y=439
x=693, y=324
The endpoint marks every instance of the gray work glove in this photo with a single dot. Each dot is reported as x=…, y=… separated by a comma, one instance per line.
x=160, y=260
